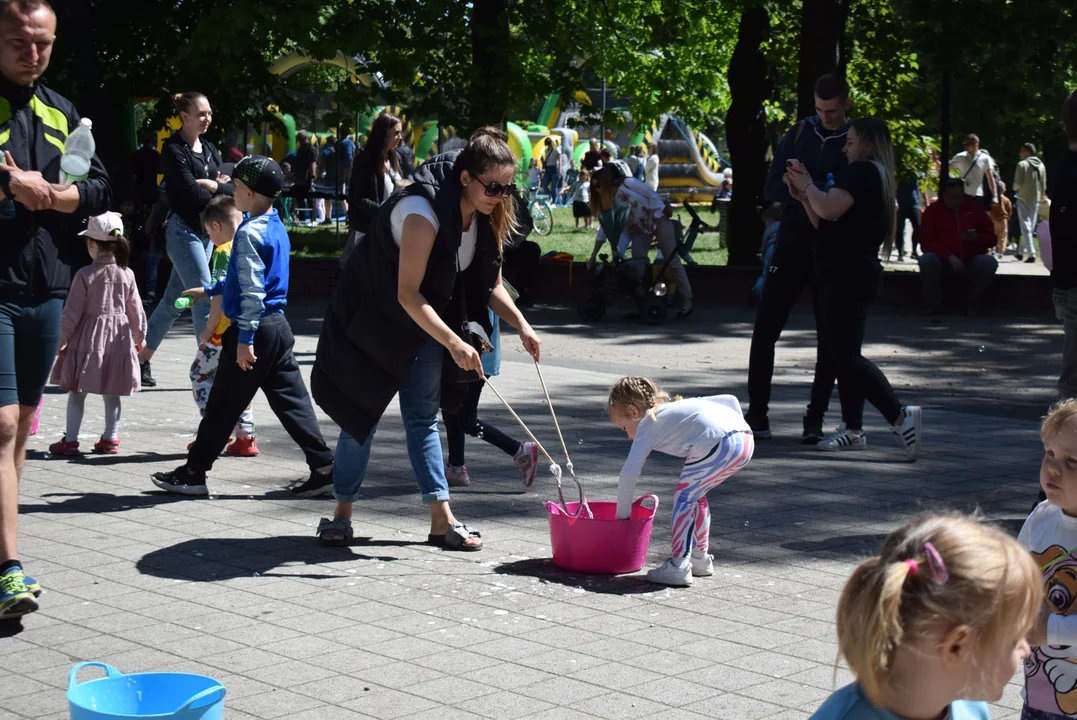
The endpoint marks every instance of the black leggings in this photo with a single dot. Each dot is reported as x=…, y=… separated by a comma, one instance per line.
x=467, y=422
x=844, y=316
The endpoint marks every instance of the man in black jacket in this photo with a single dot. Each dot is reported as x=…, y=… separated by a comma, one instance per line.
x=1064, y=251
x=818, y=142
x=39, y=221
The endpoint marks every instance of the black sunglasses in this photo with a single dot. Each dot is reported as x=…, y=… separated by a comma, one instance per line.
x=497, y=189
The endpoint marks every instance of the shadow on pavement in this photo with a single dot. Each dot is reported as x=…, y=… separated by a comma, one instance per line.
x=89, y=459
x=10, y=628
x=546, y=571
x=99, y=503
x=841, y=547
x=211, y=560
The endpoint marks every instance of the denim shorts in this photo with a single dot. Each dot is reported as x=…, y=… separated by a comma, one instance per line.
x=29, y=338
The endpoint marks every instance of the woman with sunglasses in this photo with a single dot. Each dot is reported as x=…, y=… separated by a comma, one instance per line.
x=431, y=261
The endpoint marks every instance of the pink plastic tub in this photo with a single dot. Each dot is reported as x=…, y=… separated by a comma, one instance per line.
x=602, y=545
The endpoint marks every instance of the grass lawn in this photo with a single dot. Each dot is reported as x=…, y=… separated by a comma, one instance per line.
x=318, y=241
x=565, y=238
x=327, y=241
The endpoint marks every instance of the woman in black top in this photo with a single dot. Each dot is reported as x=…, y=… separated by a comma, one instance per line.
x=190, y=167
x=375, y=173
x=855, y=218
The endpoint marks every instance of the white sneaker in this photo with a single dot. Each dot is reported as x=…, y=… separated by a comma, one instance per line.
x=843, y=439
x=909, y=433
x=702, y=565
x=669, y=574
x=457, y=476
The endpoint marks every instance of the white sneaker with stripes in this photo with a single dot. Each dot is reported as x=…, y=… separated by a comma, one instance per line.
x=909, y=433
x=843, y=439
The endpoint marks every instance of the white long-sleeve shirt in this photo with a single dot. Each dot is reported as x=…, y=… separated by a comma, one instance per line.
x=683, y=428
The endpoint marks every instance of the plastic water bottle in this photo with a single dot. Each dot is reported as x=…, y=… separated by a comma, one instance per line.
x=183, y=302
x=78, y=153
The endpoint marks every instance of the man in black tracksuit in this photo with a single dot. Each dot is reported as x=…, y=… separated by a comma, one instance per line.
x=39, y=244
x=818, y=142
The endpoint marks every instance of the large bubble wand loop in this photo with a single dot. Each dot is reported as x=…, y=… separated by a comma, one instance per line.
x=555, y=469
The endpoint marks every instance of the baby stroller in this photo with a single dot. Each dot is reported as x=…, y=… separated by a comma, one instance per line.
x=633, y=278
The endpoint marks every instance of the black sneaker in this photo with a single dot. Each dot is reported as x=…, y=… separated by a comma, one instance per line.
x=813, y=432
x=316, y=485
x=181, y=481
x=760, y=427
x=147, y=378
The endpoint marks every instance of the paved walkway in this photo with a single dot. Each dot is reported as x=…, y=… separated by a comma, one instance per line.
x=237, y=588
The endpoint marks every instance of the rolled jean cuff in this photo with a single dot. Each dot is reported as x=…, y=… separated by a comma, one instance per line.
x=434, y=497
x=346, y=498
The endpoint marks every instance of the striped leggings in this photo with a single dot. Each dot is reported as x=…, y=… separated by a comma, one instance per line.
x=691, y=514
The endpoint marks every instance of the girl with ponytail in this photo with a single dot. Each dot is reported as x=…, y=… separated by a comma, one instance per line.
x=102, y=329
x=709, y=433
x=936, y=624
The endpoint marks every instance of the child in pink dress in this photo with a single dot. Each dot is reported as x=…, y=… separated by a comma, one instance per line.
x=102, y=329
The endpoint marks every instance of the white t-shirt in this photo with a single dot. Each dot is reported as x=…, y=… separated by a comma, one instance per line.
x=974, y=179
x=1050, y=674
x=418, y=205
x=683, y=428
x=650, y=169
x=583, y=191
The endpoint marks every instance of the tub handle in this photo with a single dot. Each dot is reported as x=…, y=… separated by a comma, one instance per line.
x=72, y=681
x=205, y=693
x=653, y=498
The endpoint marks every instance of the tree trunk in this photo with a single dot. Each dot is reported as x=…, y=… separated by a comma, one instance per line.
x=822, y=32
x=746, y=133
x=491, y=66
x=93, y=96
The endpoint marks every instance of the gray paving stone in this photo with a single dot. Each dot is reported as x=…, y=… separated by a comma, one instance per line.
x=238, y=588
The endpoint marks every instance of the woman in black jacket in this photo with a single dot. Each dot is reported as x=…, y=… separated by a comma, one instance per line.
x=190, y=166
x=376, y=172
x=856, y=218
x=431, y=261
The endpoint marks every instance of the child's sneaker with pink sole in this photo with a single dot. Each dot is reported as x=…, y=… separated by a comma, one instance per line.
x=63, y=448
x=106, y=447
x=526, y=460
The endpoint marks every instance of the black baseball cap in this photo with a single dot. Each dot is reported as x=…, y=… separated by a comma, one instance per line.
x=261, y=174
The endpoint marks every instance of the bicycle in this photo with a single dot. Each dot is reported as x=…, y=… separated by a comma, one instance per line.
x=541, y=212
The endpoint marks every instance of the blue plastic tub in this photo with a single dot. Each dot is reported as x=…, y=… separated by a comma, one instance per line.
x=176, y=696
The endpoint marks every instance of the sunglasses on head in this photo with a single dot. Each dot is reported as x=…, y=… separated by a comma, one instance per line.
x=497, y=189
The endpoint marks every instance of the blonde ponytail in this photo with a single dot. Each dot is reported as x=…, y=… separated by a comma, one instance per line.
x=938, y=571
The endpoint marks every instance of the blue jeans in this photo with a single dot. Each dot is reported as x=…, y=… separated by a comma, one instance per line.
x=551, y=183
x=420, y=399
x=189, y=252
x=153, y=260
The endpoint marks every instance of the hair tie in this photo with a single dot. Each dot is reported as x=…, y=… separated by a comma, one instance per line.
x=912, y=565
x=934, y=561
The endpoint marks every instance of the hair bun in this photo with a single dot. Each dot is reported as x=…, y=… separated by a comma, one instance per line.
x=489, y=131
